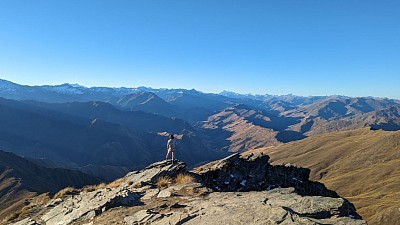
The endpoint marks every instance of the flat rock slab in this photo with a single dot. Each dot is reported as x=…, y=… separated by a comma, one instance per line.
x=150, y=194
x=164, y=194
x=151, y=173
x=87, y=205
x=27, y=221
x=280, y=206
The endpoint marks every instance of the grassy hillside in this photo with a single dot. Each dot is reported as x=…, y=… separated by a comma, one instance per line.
x=21, y=180
x=361, y=165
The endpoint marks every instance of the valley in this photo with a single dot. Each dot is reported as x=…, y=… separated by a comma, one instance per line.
x=104, y=133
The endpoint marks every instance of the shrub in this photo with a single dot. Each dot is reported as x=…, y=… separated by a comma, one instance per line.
x=12, y=217
x=24, y=212
x=164, y=182
x=40, y=200
x=183, y=178
x=91, y=188
x=115, y=183
x=65, y=191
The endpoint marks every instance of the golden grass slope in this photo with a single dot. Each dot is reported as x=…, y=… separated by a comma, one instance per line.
x=361, y=165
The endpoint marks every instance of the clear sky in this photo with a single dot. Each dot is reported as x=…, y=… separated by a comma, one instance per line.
x=304, y=47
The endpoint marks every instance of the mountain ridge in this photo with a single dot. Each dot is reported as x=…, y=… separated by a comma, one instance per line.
x=361, y=165
x=21, y=179
x=127, y=90
x=105, y=129
x=77, y=136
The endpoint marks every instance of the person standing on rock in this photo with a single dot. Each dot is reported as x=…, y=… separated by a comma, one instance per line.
x=171, y=147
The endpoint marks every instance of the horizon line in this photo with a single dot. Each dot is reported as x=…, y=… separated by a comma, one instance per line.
x=218, y=93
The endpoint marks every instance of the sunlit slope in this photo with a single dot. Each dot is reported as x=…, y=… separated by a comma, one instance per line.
x=361, y=165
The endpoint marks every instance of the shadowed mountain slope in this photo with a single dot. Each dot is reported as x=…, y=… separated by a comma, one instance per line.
x=144, y=101
x=194, y=106
x=77, y=141
x=361, y=165
x=21, y=179
x=136, y=120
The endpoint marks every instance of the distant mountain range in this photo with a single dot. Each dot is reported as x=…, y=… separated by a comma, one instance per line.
x=95, y=134
x=78, y=134
x=99, y=127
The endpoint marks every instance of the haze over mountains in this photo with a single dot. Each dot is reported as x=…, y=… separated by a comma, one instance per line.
x=74, y=126
x=106, y=132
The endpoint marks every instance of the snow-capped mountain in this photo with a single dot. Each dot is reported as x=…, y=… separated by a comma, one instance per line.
x=7, y=86
x=75, y=92
x=66, y=88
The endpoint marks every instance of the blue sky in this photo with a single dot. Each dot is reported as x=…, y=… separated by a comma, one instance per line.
x=304, y=47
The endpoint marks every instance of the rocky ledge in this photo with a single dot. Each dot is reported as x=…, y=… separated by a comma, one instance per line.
x=235, y=190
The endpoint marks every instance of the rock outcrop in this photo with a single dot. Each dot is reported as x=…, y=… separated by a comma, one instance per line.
x=279, y=206
x=252, y=172
x=87, y=205
x=235, y=190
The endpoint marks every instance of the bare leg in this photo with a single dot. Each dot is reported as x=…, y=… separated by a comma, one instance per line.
x=173, y=156
x=166, y=157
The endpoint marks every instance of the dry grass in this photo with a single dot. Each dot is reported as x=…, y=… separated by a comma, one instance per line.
x=138, y=185
x=11, y=217
x=28, y=209
x=91, y=188
x=24, y=212
x=41, y=199
x=115, y=183
x=183, y=178
x=65, y=191
x=361, y=165
x=164, y=182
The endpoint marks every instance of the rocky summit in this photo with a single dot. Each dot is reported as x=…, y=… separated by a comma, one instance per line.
x=240, y=189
